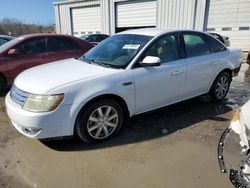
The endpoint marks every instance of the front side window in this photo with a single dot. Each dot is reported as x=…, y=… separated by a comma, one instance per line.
x=195, y=45
x=10, y=44
x=166, y=48
x=62, y=44
x=116, y=51
x=32, y=46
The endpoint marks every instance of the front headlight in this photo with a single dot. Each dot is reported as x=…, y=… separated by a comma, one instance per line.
x=42, y=103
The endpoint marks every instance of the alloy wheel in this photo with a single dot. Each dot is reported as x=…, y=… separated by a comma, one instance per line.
x=102, y=122
x=222, y=87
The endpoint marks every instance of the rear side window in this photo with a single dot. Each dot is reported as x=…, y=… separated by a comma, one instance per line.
x=62, y=44
x=32, y=46
x=195, y=45
x=215, y=45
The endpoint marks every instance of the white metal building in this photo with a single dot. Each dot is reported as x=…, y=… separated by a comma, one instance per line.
x=231, y=18
x=227, y=17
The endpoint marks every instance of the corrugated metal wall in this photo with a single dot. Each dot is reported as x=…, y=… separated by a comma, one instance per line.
x=188, y=14
x=169, y=14
x=231, y=18
x=63, y=14
x=90, y=24
x=136, y=13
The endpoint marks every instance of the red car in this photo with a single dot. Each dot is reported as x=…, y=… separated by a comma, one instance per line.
x=35, y=49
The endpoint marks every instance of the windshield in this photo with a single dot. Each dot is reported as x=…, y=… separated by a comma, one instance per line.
x=6, y=45
x=116, y=51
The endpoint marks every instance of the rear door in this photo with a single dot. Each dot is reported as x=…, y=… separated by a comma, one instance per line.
x=61, y=47
x=200, y=63
x=30, y=53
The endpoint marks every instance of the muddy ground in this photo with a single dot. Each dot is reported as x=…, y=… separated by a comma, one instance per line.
x=172, y=147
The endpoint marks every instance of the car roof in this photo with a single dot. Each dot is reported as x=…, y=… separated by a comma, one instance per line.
x=154, y=31
x=6, y=37
x=42, y=35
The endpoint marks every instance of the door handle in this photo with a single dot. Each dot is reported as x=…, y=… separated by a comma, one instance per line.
x=175, y=73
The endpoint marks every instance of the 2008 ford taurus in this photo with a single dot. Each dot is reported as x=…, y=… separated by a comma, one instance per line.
x=127, y=74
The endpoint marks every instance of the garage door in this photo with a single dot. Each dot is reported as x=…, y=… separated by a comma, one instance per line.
x=86, y=20
x=135, y=14
x=231, y=18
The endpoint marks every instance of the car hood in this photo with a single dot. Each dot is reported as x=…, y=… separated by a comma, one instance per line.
x=43, y=78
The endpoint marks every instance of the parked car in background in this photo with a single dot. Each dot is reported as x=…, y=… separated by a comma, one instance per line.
x=35, y=49
x=127, y=74
x=5, y=38
x=94, y=38
x=224, y=39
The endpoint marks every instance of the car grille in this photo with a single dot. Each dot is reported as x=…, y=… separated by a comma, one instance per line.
x=18, y=95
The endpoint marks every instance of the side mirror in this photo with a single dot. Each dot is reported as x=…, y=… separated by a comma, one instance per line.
x=12, y=52
x=151, y=61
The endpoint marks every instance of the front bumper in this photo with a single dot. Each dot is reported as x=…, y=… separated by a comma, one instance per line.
x=57, y=123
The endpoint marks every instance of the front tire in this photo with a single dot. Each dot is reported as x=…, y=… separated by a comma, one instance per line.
x=100, y=121
x=220, y=86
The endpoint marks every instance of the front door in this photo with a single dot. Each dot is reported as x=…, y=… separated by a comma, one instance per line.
x=160, y=85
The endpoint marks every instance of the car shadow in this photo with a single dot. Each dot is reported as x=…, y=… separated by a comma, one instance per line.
x=152, y=125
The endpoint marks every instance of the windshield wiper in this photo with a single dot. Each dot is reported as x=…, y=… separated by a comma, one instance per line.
x=93, y=61
x=101, y=64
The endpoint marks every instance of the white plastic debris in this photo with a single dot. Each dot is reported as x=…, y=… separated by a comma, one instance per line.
x=241, y=124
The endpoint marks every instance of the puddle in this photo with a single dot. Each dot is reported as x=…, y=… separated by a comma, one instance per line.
x=161, y=163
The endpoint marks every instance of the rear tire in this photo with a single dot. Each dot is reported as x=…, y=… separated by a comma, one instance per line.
x=220, y=86
x=100, y=121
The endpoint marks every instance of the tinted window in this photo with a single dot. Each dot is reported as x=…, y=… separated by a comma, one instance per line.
x=101, y=38
x=32, y=46
x=215, y=45
x=62, y=44
x=166, y=48
x=10, y=44
x=91, y=38
x=195, y=45
x=2, y=41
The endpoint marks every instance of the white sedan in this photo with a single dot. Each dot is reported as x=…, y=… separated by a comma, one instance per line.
x=127, y=74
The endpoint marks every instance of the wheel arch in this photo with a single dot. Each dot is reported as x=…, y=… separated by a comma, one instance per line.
x=114, y=97
x=227, y=70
